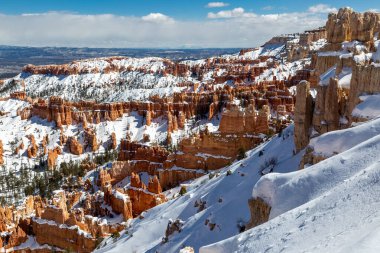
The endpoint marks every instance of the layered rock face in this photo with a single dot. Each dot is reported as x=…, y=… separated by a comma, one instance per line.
x=304, y=48
x=236, y=121
x=54, y=224
x=344, y=71
x=21, y=95
x=64, y=238
x=347, y=25
x=311, y=36
x=365, y=80
x=330, y=106
x=136, y=198
x=119, y=202
x=141, y=197
x=239, y=129
x=137, y=151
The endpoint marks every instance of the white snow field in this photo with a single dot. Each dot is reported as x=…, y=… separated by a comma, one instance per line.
x=335, y=142
x=226, y=205
x=369, y=108
x=332, y=206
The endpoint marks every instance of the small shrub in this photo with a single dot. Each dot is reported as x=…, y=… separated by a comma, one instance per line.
x=241, y=154
x=115, y=235
x=146, y=138
x=241, y=226
x=229, y=173
x=271, y=132
x=261, y=153
x=280, y=132
x=211, y=176
x=182, y=191
x=268, y=166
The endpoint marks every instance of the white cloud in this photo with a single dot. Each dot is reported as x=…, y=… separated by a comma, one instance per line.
x=74, y=30
x=234, y=13
x=217, y=5
x=157, y=17
x=267, y=8
x=322, y=8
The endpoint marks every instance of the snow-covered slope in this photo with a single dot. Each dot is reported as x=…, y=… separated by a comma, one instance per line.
x=369, y=108
x=332, y=206
x=339, y=141
x=126, y=79
x=226, y=204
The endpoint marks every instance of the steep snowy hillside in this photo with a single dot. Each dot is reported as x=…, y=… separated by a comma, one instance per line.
x=222, y=204
x=329, y=207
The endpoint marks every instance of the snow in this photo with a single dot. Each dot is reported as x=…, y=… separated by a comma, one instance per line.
x=283, y=71
x=14, y=131
x=114, y=86
x=140, y=78
x=335, y=142
x=222, y=194
x=330, y=53
x=120, y=196
x=344, y=77
x=63, y=226
x=31, y=244
x=376, y=55
x=317, y=45
x=369, y=107
x=330, y=207
x=252, y=55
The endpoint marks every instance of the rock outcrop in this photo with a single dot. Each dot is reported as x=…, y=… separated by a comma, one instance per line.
x=237, y=121
x=90, y=139
x=142, y=199
x=53, y=156
x=121, y=203
x=303, y=115
x=260, y=212
x=74, y=146
x=113, y=141
x=33, y=148
x=1, y=153
x=347, y=25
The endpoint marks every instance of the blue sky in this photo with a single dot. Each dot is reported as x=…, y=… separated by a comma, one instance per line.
x=161, y=23
x=181, y=9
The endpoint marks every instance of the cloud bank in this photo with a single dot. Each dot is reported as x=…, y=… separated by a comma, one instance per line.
x=217, y=5
x=230, y=28
x=322, y=8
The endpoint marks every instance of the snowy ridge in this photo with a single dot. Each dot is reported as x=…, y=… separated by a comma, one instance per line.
x=336, y=142
x=222, y=195
x=330, y=207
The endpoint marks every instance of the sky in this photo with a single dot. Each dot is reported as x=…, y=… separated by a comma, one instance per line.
x=161, y=23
